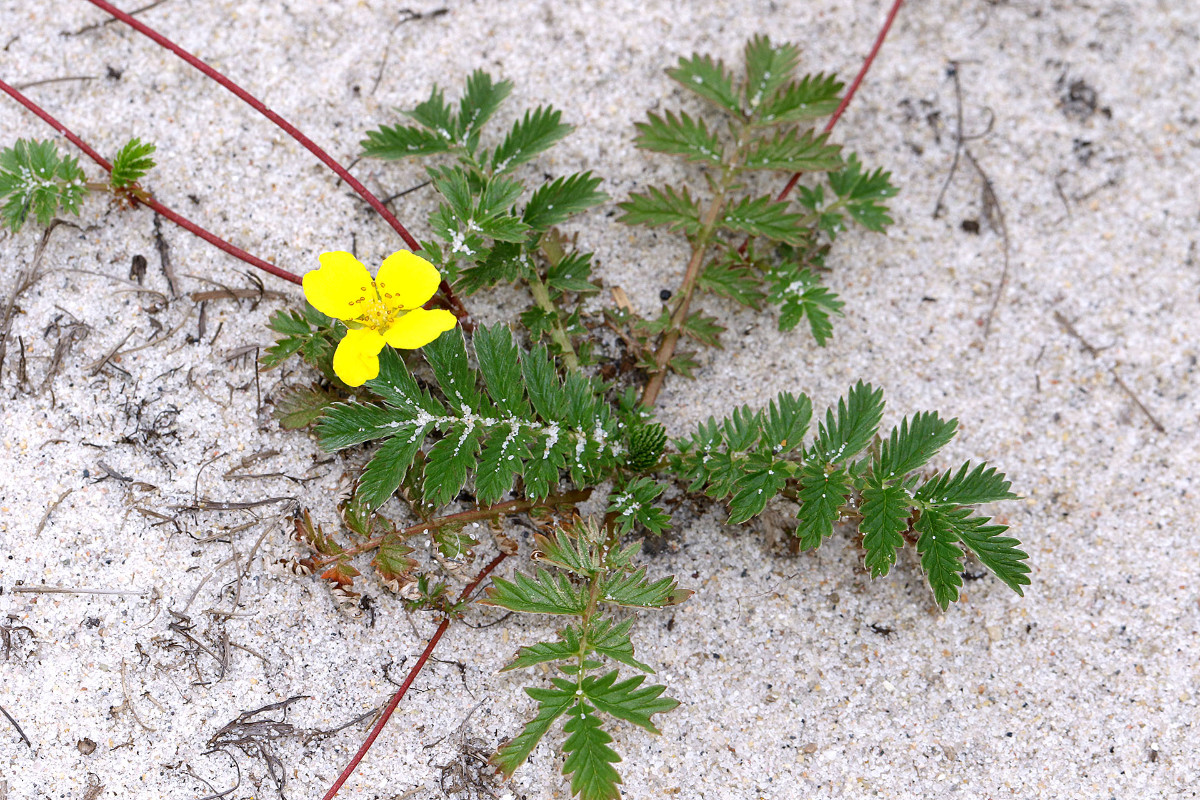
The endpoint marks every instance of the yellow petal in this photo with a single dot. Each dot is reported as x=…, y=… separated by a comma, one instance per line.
x=406, y=281
x=356, y=359
x=341, y=287
x=418, y=328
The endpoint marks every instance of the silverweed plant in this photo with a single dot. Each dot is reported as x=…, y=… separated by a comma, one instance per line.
x=554, y=413
x=526, y=410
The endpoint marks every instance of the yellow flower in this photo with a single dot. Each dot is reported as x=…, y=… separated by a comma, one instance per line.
x=386, y=310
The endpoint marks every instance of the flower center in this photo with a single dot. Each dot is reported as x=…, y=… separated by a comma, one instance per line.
x=374, y=314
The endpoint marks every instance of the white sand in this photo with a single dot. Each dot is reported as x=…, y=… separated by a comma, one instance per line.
x=1086, y=688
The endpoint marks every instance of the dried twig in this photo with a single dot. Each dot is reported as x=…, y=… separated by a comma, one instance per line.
x=45, y=81
x=1088, y=348
x=227, y=293
x=98, y=365
x=128, y=702
x=24, y=282
x=43, y=589
x=96, y=25
x=50, y=510
x=410, y=15
x=204, y=504
x=991, y=210
x=8, y=716
x=164, y=256
x=256, y=736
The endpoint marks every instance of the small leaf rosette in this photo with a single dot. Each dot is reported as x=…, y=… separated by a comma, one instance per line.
x=386, y=310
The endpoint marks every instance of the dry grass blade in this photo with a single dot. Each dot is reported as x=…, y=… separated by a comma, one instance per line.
x=256, y=736
x=8, y=716
x=24, y=282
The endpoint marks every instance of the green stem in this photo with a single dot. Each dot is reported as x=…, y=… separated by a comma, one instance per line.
x=541, y=296
x=708, y=226
x=489, y=512
x=584, y=626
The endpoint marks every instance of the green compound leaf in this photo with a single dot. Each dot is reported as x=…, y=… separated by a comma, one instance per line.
x=728, y=277
x=785, y=422
x=862, y=192
x=538, y=130
x=821, y=496
x=544, y=652
x=491, y=433
x=295, y=332
x=37, y=181
x=968, y=486
x=602, y=637
x=911, y=445
x=452, y=543
x=633, y=505
x=764, y=216
x=436, y=115
x=885, y=512
x=703, y=328
x=497, y=197
x=572, y=274
x=505, y=262
x=941, y=557
x=553, y=203
x=680, y=136
x=792, y=151
x=541, y=594
x=387, y=468
x=613, y=641
x=767, y=68
x=552, y=703
x=572, y=549
x=633, y=590
x=300, y=406
x=394, y=142
x=996, y=552
x=447, y=463
x=628, y=699
x=801, y=294
x=665, y=206
x=480, y=101
x=347, y=424
x=499, y=362
x=709, y=79
x=812, y=97
x=392, y=560
x=710, y=459
x=589, y=758
x=131, y=163
x=858, y=415
x=309, y=333
x=761, y=479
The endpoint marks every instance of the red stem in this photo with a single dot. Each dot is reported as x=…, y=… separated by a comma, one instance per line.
x=258, y=106
x=412, y=675
x=158, y=207
x=291, y=130
x=858, y=79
